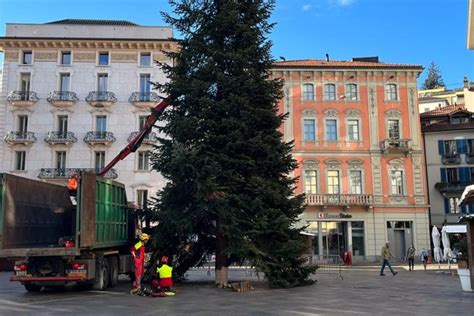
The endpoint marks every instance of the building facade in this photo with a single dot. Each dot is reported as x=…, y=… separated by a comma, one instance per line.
x=74, y=92
x=448, y=134
x=357, y=141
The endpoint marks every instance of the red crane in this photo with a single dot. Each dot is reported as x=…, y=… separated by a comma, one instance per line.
x=133, y=145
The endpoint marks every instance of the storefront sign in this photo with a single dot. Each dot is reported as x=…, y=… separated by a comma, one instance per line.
x=334, y=216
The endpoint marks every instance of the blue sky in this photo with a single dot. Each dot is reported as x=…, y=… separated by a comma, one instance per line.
x=398, y=31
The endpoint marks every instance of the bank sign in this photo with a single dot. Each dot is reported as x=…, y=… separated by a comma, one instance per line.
x=333, y=216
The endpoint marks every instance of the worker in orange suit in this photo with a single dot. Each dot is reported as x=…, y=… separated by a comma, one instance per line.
x=72, y=185
x=138, y=253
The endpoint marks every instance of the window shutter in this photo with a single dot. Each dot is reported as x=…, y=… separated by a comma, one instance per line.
x=443, y=174
x=446, y=206
x=441, y=147
x=464, y=174
x=461, y=146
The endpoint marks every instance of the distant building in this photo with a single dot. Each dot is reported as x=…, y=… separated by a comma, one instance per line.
x=357, y=141
x=448, y=134
x=431, y=99
x=74, y=92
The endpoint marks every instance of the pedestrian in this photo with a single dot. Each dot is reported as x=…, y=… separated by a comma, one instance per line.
x=411, y=257
x=424, y=255
x=165, y=279
x=138, y=253
x=386, y=256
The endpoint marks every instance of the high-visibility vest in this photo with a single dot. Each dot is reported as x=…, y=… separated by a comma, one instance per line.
x=72, y=184
x=165, y=271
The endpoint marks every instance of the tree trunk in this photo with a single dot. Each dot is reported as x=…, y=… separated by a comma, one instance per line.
x=221, y=260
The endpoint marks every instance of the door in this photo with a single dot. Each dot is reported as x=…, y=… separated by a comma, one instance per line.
x=145, y=87
x=25, y=86
x=399, y=247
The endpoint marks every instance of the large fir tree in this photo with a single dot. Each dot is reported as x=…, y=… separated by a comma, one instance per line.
x=229, y=189
x=434, y=79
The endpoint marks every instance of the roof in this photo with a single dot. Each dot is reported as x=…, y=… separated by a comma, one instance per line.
x=431, y=99
x=445, y=110
x=310, y=63
x=93, y=22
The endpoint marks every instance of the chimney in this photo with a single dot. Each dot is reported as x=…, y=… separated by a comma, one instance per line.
x=327, y=57
x=466, y=83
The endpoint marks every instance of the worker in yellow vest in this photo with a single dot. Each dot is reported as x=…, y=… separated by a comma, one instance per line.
x=165, y=273
x=138, y=253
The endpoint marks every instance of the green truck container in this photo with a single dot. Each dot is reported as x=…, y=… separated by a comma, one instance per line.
x=59, y=239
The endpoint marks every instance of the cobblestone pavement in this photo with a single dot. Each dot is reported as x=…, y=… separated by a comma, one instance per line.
x=361, y=292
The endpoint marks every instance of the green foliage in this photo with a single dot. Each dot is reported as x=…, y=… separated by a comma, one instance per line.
x=223, y=156
x=433, y=80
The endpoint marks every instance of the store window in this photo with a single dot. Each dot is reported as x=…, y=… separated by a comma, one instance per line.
x=358, y=244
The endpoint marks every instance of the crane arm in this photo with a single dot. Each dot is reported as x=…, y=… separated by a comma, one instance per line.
x=135, y=143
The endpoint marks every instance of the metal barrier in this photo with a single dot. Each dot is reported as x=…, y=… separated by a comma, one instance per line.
x=327, y=264
x=210, y=265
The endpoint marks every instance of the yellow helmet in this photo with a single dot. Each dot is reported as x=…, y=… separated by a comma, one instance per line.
x=144, y=236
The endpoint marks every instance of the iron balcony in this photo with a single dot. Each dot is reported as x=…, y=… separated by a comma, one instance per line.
x=57, y=137
x=150, y=139
x=396, y=146
x=339, y=199
x=469, y=158
x=22, y=98
x=62, y=98
x=99, y=137
x=101, y=98
x=19, y=137
x=451, y=159
x=451, y=187
x=144, y=99
x=67, y=173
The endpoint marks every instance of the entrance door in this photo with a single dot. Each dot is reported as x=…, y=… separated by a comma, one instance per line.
x=399, y=244
x=334, y=238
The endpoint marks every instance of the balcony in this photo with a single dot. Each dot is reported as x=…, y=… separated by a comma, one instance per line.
x=25, y=138
x=22, y=98
x=451, y=159
x=150, y=139
x=390, y=146
x=101, y=99
x=62, y=98
x=470, y=158
x=57, y=137
x=67, y=173
x=97, y=137
x=144, y=99
x=451, y=187
x=340, y=199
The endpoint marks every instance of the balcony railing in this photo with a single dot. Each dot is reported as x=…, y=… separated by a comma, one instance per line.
x=150, y=139
x=451, y=159
x=58, y=137
x=20, y=138
x=340, y=199
x=396, y=146
x=67, y=173
x=62, y=98
x=22, y=98
x=144, y=99
x=98, y=137
x=451, y=187
x=101, y=98
x=470, y=158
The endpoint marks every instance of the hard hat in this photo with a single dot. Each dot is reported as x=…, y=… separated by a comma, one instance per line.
x=164, y=259
x=144, y=236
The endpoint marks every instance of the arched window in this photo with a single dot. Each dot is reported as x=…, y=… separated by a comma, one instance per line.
x=308, y=92
x=351, y=92
x=391, y=92
x=329, y=91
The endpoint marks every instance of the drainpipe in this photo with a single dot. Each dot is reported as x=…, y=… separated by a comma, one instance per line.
x=427, y=190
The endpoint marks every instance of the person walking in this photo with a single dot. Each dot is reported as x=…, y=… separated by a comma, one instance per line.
x=424, y=255
x=411, y=257
x=386, y=256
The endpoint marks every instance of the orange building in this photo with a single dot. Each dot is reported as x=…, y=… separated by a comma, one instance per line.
x=357, y=140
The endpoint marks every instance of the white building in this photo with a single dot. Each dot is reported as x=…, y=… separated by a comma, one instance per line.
x=72, y=94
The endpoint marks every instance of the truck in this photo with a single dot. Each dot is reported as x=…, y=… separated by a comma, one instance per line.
x=57, y=239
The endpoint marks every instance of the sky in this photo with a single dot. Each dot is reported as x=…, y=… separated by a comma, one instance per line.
x=398, y=31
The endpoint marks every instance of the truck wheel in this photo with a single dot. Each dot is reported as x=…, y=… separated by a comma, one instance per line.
x=32, y=287
x=102, y=276
x=114, y=271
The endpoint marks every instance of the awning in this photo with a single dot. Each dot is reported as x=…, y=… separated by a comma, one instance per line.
x=453, y=229
x=467, y=196
x=306, y=233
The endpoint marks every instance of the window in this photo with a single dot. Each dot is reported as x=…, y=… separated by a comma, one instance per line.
x=145, y=59
x=23, y=123
x=396, y=182
x=143, y=160
x=333, y=182
x=102, y=82
x=308, y=92
x=453, y=205
x=61, y=160
x=145, y=87
x=103, y=58
x=101, y=123
x=329, y=91
x=20, y=160
x=450, y=147
x=25, y=81
x=391, y=92
x=309, y=130
x=62, y=124
x=64, y=80
x=353, y=130
x=99, y=160
x=331, y=130
x=141, y=121
x=142, y=197
x=358, y=238
x=452, y=175
x=351, y=92
x=27, y=58
x=310, y=182
x=355, y=182
x=65, y=58
x=393, y=129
